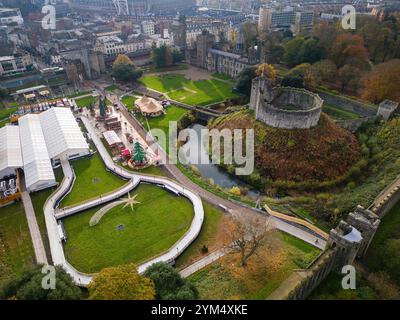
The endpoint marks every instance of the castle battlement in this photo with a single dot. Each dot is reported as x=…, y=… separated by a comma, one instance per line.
x=284, y=107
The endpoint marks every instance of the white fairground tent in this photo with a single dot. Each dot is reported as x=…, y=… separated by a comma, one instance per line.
x=62, y=134
x=10, y=150
x=37, y=166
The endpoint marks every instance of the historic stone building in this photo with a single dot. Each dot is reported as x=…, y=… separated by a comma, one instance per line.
x=284, y=107
x=178, y=31
x=207, y=55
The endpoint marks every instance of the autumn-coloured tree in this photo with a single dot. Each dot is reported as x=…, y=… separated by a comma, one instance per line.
x=268, y=71
x=349, y=77
x=325, y=70
x=124, y=69
x=244, y=235
x=121, y=283
x=348, y=48
x=383, y=82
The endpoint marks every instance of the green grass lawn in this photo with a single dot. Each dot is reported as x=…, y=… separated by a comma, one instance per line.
x=338, y=113
x=202, y=92
x=92, y=180
x=5, y=112
x=111, y=88
x=389, y=228
x=85, y=101
x=207, y=236
x=173, y=113
x=222, y=76
x=128, y=101
x=224, y=279
x=16, y=250
x=158, y=222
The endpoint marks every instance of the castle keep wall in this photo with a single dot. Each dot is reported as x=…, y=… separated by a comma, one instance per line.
x=285, y=107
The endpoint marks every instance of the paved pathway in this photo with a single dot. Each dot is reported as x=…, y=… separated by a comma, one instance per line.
x=203, y=262
x=37, y=241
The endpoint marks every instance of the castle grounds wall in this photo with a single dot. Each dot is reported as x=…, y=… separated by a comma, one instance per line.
x=362, y=109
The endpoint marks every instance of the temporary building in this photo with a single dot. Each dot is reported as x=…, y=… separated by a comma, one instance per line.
x=10, y=150
x=36, y=161
x=62, y=134
x=112, y=138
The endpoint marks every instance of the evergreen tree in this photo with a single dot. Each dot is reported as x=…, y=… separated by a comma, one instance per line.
x=139, y=155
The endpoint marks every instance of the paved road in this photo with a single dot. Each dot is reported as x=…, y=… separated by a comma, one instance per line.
x=37, y=241
x=300, y=233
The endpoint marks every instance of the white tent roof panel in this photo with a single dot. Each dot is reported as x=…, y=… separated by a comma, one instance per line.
x=62, y=133
x=111, y=137
x=36, y=161
x=10, y=148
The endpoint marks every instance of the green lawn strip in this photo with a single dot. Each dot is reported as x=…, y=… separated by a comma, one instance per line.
x=16, y=250
x=111, y=88
x=152, y=68
x=207, y=236
x=129, y=101
x=305, y=252
x=202, y=92
x=3, y=123
x=85, y=101
x=157, y=222
x=173, y=113
x=5, y=113
x=92, y=180
x=221, y=76
x=337, y=113
x=389, y=228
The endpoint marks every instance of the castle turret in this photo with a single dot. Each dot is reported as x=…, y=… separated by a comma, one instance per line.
x=346, y=240
x=367, y=223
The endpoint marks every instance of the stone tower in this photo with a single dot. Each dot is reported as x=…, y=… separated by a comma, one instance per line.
x=178, y=30
x=346, y=240
x=204, y=42
x=367, y=223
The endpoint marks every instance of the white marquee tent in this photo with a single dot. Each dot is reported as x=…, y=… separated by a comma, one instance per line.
x=10, y=150
x=62, y=134
x=37, y=166
x=38, y=139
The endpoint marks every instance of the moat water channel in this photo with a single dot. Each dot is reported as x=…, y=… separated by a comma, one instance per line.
x=210, y=170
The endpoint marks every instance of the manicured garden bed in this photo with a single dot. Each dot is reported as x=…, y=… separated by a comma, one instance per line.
x=157, y=222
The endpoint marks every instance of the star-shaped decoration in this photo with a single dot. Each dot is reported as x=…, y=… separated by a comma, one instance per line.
x=130, y=201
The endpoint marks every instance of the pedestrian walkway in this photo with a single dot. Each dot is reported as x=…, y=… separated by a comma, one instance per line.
x=37, y=241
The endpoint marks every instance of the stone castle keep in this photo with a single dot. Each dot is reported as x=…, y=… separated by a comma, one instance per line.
x=284, y=107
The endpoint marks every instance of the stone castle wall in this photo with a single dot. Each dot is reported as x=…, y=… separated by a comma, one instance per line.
x=341, y=249
x=285, y=107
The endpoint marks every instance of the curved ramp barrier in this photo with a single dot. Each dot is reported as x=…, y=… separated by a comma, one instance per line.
x=51, y=214
x=299, y=221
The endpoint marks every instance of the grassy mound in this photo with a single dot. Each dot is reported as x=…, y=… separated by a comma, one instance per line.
x=322, y=153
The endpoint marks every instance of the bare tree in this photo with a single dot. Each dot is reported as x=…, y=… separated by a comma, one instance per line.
x=244, y=236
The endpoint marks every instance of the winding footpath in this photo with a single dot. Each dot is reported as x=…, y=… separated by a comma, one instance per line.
x=56, y=246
